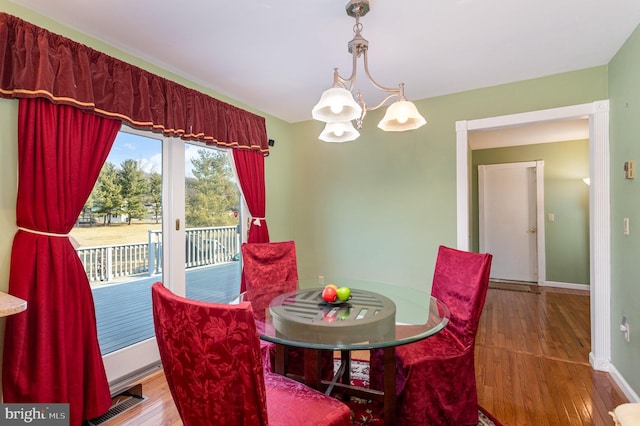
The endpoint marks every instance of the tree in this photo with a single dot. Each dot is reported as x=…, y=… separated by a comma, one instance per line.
x=89, y=209
x=106, y=193
x=155, y=194
x=212, y=195
x=133, y=187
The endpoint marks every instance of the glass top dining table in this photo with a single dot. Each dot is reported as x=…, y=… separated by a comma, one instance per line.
x=376, y=316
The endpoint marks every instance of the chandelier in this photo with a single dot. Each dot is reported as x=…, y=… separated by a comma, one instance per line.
x=337, y=106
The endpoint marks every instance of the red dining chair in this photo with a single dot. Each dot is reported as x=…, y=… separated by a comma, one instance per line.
x=211, y=358
x=268, y=263
x=435, y=377
x=276, y=262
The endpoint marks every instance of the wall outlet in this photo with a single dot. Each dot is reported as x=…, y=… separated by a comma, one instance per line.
x=629, y=170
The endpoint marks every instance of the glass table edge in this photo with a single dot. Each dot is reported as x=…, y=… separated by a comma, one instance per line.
x=358, y=346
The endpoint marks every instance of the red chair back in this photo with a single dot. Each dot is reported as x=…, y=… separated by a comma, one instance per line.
x=268, y=263
x=461, y=280
x=211, y=358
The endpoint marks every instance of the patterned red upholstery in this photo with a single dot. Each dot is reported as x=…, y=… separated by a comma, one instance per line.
x=268, y=263
x=435, y=377
x=276, y=262
x=211, y=358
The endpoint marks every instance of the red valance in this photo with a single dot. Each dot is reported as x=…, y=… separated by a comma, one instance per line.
x=35, y=62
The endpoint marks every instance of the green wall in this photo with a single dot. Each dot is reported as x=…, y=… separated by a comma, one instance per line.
x=624, y=95
x=8, y=193
x=565, y=195
x=378, y=207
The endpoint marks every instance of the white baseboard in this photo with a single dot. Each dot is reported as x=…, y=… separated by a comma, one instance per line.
x=624, y=386
x=571, y=286
x=599, y=364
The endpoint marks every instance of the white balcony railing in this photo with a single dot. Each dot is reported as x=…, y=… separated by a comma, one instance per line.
x=204, y=246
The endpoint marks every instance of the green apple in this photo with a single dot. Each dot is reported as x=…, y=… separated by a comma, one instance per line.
x=343, y=293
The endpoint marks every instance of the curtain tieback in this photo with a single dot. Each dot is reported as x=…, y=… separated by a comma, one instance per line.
x=72, y=240
x=256, y=220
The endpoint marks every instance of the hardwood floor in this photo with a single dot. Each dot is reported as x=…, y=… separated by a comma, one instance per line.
x=531, y=365
x=532, y=360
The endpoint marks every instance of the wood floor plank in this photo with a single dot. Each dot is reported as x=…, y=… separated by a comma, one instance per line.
x=540, y=347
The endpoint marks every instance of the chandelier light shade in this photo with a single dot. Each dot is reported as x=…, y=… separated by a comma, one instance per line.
x=337, y=106
x=401, y=116
x=339, y=132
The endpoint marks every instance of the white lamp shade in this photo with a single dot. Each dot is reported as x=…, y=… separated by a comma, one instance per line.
x=339, y=132
x=401, y=116
x=336, y=105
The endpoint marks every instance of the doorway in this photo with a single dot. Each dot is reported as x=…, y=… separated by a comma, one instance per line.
x=510, y=199
x=599, y=205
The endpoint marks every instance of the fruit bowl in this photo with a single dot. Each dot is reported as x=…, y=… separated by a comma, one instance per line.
x=335, y=303
x=333, y=295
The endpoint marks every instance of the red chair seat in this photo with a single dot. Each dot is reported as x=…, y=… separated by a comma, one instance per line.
x=441, y=345
x=285, y=407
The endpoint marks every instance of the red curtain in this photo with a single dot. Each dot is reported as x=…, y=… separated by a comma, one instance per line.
x=250, y=169
x=51, y=351
x=35, y=62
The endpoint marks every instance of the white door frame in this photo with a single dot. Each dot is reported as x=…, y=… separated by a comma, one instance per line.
x=133, y=362
x=541, y=273
x=599, y=206
x=128, y=364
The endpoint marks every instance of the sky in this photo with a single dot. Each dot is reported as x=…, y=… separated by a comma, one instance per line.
x=147, y=151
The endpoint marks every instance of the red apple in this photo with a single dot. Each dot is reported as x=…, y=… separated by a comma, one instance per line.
x=329, y=294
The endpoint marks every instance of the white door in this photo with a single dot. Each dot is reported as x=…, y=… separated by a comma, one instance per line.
x=509, y=197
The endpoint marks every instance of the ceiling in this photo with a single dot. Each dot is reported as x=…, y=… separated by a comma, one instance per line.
x=278, y=55
x=535, y=133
